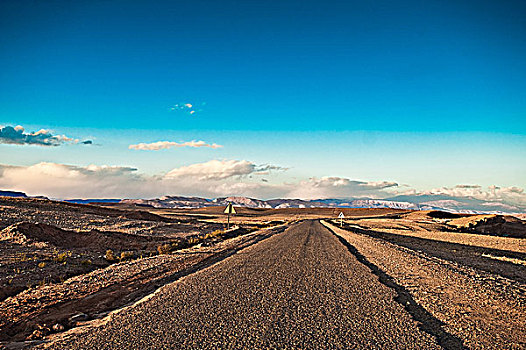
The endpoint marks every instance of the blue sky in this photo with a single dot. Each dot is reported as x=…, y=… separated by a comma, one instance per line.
x=425, y=94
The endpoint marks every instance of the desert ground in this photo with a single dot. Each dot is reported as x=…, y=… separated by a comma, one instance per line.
x=97, y=276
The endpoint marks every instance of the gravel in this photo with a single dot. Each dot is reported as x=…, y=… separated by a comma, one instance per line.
x=485, y=310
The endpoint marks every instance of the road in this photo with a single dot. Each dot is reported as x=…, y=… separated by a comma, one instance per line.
x=299, y=289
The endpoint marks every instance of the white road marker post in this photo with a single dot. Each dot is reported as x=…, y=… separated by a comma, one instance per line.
x=341, y=216
x=229, y=210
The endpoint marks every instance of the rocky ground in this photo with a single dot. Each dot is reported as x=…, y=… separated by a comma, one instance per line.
x=65, y=265
x=475, y=298
x=60, y=259
x=49, y=308
x=70, y=216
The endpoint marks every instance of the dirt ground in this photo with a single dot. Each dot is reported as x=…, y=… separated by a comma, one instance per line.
x=441, y=230
x=58, y=259
x=485, y=309
x=62, y=264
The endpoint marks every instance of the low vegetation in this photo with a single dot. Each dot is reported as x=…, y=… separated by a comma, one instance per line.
x=110, y=256
x=188, y=242
x=61, y=257
x=127, y=255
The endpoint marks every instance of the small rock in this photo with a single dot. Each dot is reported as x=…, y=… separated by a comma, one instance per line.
x=58, y=327
x=39, y=333
x=78, y=318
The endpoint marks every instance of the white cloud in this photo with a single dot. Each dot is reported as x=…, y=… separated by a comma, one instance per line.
x=513, y=195
x=222, y=169
x=213, y=170
x=187, y=108
x=17, y=136
x=210, y=179
x=60, y=180
x=339, y=187
x=266, y=169
x=468, y=186
x=379, y=184
x=155, y=146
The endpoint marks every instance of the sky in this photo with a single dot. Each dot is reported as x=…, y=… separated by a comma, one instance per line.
x=305, y=99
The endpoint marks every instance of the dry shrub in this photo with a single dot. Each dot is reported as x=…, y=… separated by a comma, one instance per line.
x=214, y=234
x=192, y=240
x=127, y=255
x=61, y=257
x=164, y=248
x=110, y=256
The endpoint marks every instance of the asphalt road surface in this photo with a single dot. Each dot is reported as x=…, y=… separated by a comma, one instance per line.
x=301, y=289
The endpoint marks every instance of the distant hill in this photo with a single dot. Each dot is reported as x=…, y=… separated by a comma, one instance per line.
x=406, y=202
x=12, y=194
x=458, y=204
x=172, y=202
x=423, y=202
x=87, y=201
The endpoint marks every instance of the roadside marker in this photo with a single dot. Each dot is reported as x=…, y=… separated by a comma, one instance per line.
x=229, y=210
x=341, y=216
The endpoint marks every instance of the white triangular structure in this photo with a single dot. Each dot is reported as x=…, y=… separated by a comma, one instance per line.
x=230, y=209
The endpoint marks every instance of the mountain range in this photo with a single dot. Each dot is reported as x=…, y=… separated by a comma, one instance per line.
x=408, y=202
x=414, y=202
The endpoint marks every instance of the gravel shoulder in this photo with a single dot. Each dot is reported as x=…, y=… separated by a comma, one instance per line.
x=505, y=263
x=485, y=310
x=434, y=231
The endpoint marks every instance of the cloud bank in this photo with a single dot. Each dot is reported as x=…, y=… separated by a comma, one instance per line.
x=156, y=146
x=213, y=170
x=17, y=136
x=217, y=178
x=63, y=181
x=339, y=187
x=209, y=179
x=513, y=194
x=221, y=169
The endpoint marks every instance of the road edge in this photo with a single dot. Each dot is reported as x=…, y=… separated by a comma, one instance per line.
x=425, y=320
